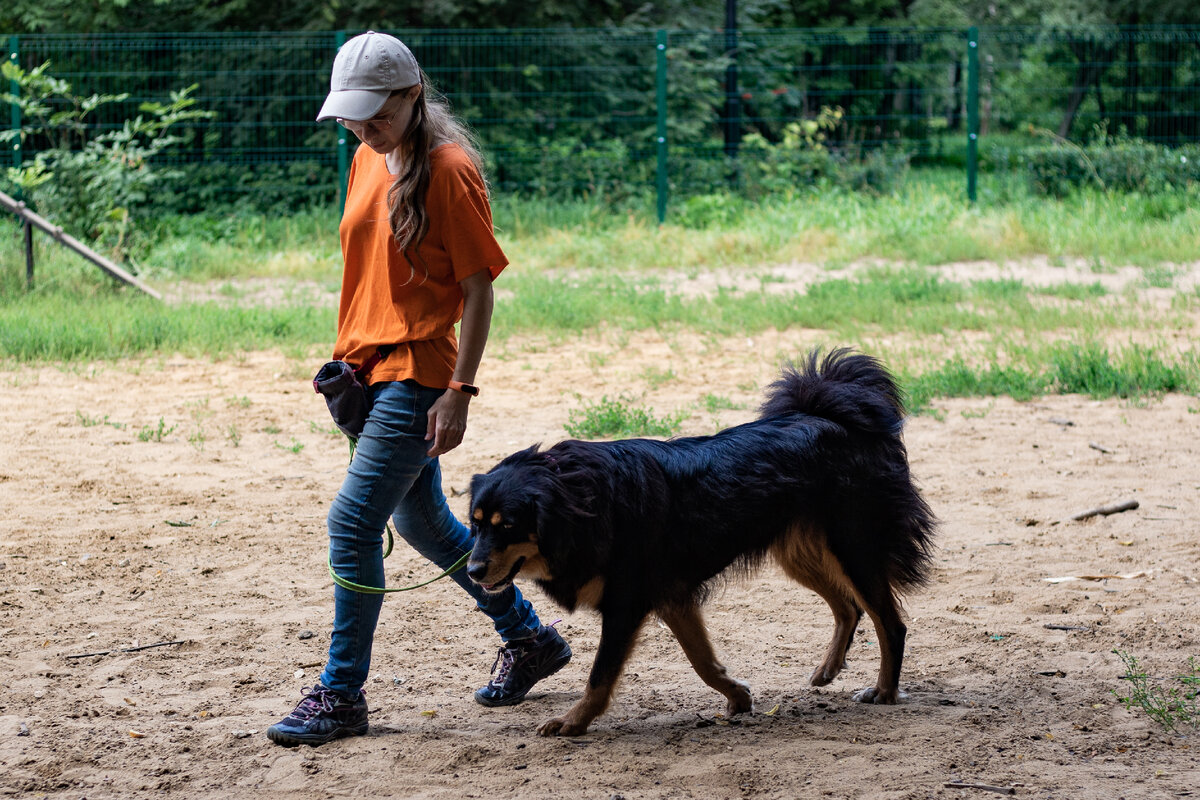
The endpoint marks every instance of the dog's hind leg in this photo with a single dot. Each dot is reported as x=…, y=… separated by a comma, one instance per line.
x=687, y=623
x=891, y=630
x=806, y=560
x=846, y=616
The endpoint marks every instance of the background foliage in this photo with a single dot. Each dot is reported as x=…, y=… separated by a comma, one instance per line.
x=572, y=110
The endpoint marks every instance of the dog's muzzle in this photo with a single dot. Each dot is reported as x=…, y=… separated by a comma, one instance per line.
x=477, y=571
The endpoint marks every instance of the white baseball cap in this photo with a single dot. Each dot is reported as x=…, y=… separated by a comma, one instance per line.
x=366, y=70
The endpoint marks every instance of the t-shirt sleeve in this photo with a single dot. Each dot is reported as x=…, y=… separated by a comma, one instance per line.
x=469, y=238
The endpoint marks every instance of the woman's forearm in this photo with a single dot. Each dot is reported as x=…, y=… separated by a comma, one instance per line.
x=476, y=322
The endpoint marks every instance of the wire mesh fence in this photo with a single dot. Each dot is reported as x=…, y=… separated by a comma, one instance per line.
x=620, y=112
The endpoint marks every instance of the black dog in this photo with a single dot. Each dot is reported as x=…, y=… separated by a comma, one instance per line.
x=820, y=482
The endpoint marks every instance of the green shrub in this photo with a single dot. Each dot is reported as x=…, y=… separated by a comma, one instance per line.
x=93, y=185
x=879, y=172
x=1127, y=165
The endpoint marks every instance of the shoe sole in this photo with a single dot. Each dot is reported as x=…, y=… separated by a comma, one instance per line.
x=512, y=701
x=290, y=740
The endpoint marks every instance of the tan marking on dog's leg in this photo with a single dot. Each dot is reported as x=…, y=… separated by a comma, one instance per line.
x=687, y=623
x=617, y=635
x=576, y=721
x=590, y=593
x=805, y=558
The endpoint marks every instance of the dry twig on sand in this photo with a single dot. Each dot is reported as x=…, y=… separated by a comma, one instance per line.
x=1104, y=511
x=126, y=649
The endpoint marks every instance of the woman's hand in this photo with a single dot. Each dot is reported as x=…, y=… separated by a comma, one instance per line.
x=447, y=422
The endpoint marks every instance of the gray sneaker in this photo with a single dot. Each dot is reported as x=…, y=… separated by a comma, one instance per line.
x=519, y=665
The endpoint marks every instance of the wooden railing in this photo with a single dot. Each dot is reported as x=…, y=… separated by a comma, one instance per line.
x=32, y=220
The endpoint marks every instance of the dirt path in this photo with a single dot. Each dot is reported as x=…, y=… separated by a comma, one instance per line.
x=185, y=500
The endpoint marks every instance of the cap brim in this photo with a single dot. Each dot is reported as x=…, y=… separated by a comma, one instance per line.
x=355, y=104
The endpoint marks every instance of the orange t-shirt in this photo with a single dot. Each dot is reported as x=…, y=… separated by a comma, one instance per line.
x=388, y=301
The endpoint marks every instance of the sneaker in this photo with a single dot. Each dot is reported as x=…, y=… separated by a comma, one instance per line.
x=519, y=665
x=322, y=716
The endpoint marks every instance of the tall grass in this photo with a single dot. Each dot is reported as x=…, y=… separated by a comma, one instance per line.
x=883, y=300
x=1089, y=368
x=117, y=325
x=926, y=222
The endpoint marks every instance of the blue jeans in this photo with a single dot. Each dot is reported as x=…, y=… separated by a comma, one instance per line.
x=392, y=475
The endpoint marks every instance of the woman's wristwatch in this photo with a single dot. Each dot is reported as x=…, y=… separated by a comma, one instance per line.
x=465, y=388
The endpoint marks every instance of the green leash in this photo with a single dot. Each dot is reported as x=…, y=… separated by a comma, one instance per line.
x=358, y=587
x=361, y=589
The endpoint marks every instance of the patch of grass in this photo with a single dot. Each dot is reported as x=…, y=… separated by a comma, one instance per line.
x=155, y=433
x=209, y=247
x=1172, y=703
x=1135, y=371
x=712, y=403
x=881, y=300
x=977, y=413
x=88, y=421
x=1158, y=276
x=1072, y=291
x=62, y=327
x=925, y=222
x=957, y=378
x=619, y=418
x=657, y=377
x=294, y=448
x=329, y=429
x=1088, y=368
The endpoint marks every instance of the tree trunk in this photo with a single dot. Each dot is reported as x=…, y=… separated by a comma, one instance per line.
x=1089, y=72
x=953, y=105
x=1129, y=119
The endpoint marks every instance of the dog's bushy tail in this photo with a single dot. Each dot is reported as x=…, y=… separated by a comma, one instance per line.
x=852, y=389
x=856, y=392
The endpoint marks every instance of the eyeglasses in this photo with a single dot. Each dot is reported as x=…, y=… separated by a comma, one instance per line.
x=378, y=121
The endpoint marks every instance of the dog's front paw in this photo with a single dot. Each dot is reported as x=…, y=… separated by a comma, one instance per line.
x=740, y=701
x=559, y=726
x=873, y=694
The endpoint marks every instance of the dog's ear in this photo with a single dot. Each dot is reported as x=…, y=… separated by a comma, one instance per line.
x=567, y=530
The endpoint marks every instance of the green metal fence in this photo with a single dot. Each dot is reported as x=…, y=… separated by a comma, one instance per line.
x=620, y=112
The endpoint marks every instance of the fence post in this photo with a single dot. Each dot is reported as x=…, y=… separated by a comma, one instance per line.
x=14, y=50
x=972, y=110
x=15, y=114
x=28, y=256
x=733, y=100
x=343, y=143
x=660, y=94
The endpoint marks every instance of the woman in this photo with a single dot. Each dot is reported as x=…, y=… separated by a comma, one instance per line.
x=419, y=256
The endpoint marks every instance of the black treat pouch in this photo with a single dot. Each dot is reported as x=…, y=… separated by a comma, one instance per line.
x=345, y=395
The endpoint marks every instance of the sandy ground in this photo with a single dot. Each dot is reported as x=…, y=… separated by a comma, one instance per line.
x=179, y=500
